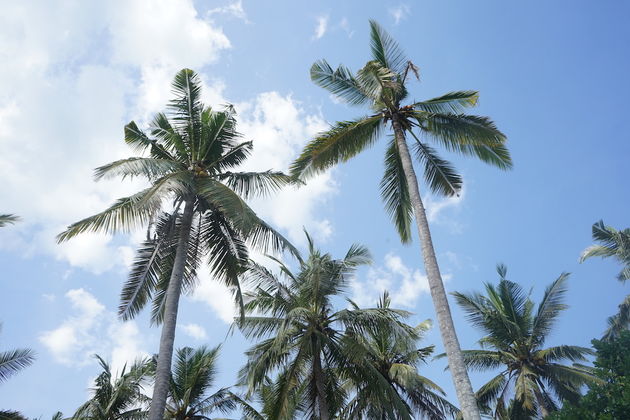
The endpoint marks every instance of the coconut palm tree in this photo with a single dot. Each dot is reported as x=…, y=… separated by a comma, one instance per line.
x=117, y=398
x=515, y=333
x=310, y=345
x=192, y=152
x=8, y=219
x=613, y=243
x=382, y=84
x=194, y=373
x=397, y=359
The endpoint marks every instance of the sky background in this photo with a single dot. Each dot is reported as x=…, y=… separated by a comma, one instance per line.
x=552, y=75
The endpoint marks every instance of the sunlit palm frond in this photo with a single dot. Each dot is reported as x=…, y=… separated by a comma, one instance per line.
x=385, y=49
x=343, y=141
x=452, y=102
x=340, y=82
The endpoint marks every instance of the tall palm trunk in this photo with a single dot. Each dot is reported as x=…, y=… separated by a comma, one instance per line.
x=324, y=411
x=167, y=339
x=464, y=390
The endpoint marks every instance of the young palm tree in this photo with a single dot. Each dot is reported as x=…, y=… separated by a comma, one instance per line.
x=613, y=243
x=117, y=398
x=516, y=331
x=192, y=151
x=382, y=84
x=311, y=346
x=396, y=359
x=8, y=219
x=194, y=373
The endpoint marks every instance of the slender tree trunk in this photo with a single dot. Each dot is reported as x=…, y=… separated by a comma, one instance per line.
x=322, y=402
x=167, y=339
x=464, y=390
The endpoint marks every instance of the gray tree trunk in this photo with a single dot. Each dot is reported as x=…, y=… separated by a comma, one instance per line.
x=167, y=339
x=464, y=390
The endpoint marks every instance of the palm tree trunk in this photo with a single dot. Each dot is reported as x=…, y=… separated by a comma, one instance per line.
x=167, y=339
x=324, y=411
x=464, y=390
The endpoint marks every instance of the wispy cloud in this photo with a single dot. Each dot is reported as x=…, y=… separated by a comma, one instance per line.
x=404, y=284
x=400, y=12
x=232, y=9
x=195, y=331
x=344, y=24
x=321, y=27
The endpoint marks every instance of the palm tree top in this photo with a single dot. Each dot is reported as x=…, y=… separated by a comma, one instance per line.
x=8, y=219
x=611, y=243
x=382, y=85
x=515, y=332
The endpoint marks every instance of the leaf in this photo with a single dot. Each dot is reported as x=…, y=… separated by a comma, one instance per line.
x=343, y=141
x=340, y=82
x=452, y=102
x=395, y=192
x=385, y=49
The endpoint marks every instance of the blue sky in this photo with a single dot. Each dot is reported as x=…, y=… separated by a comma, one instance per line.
x=553, y=76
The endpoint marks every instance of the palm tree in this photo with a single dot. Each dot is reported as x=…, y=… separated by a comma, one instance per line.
x=381, y=83
x=310, y=345
x=8, y=219
x=515, y=333
x=397, y=359
x=192, y=151
x=117, y=398
x=614, y=243
x=194, y=373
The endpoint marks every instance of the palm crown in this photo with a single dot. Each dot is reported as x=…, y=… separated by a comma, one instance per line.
x=382, y=84
x=194, y=373
x=117, y=397
x=397, y=359
x=312, y=346
x=516, y=331
x=192, y=151
x=613, y=243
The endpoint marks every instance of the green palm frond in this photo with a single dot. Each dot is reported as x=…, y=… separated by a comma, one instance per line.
x=452, y=102
x=385, y=49
x=8, y=219
x=395, y=192
x=129, y=213
x=12, y=361
x=255, y=184
x=565, y=352
x=340, y=82
x=149, y=168
x=343, y=141
x=469, y=135
x=550, y=307
x=438, y=173
x=618, y=322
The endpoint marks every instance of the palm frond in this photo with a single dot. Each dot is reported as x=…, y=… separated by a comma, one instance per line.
x=8, y=219
x=550, y=307
x=438, y=173
x=395, y=192
x=618, y=322
x=467, y=134
x=12, y=361
x=385, y=49
x=255, y=184
x=340, y=82
x=149, y=168
x=452, y=102
x=343, y=141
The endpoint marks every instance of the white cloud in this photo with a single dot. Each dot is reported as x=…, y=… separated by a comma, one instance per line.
x=280, y=127
x=195, y=331
x=399, y=12
x=92, y=329
x=405, y=285
x=321, y=26
x=71, y=68
x=232, y=9
x=217, y=296
x=441, y=211
x=344, y=24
